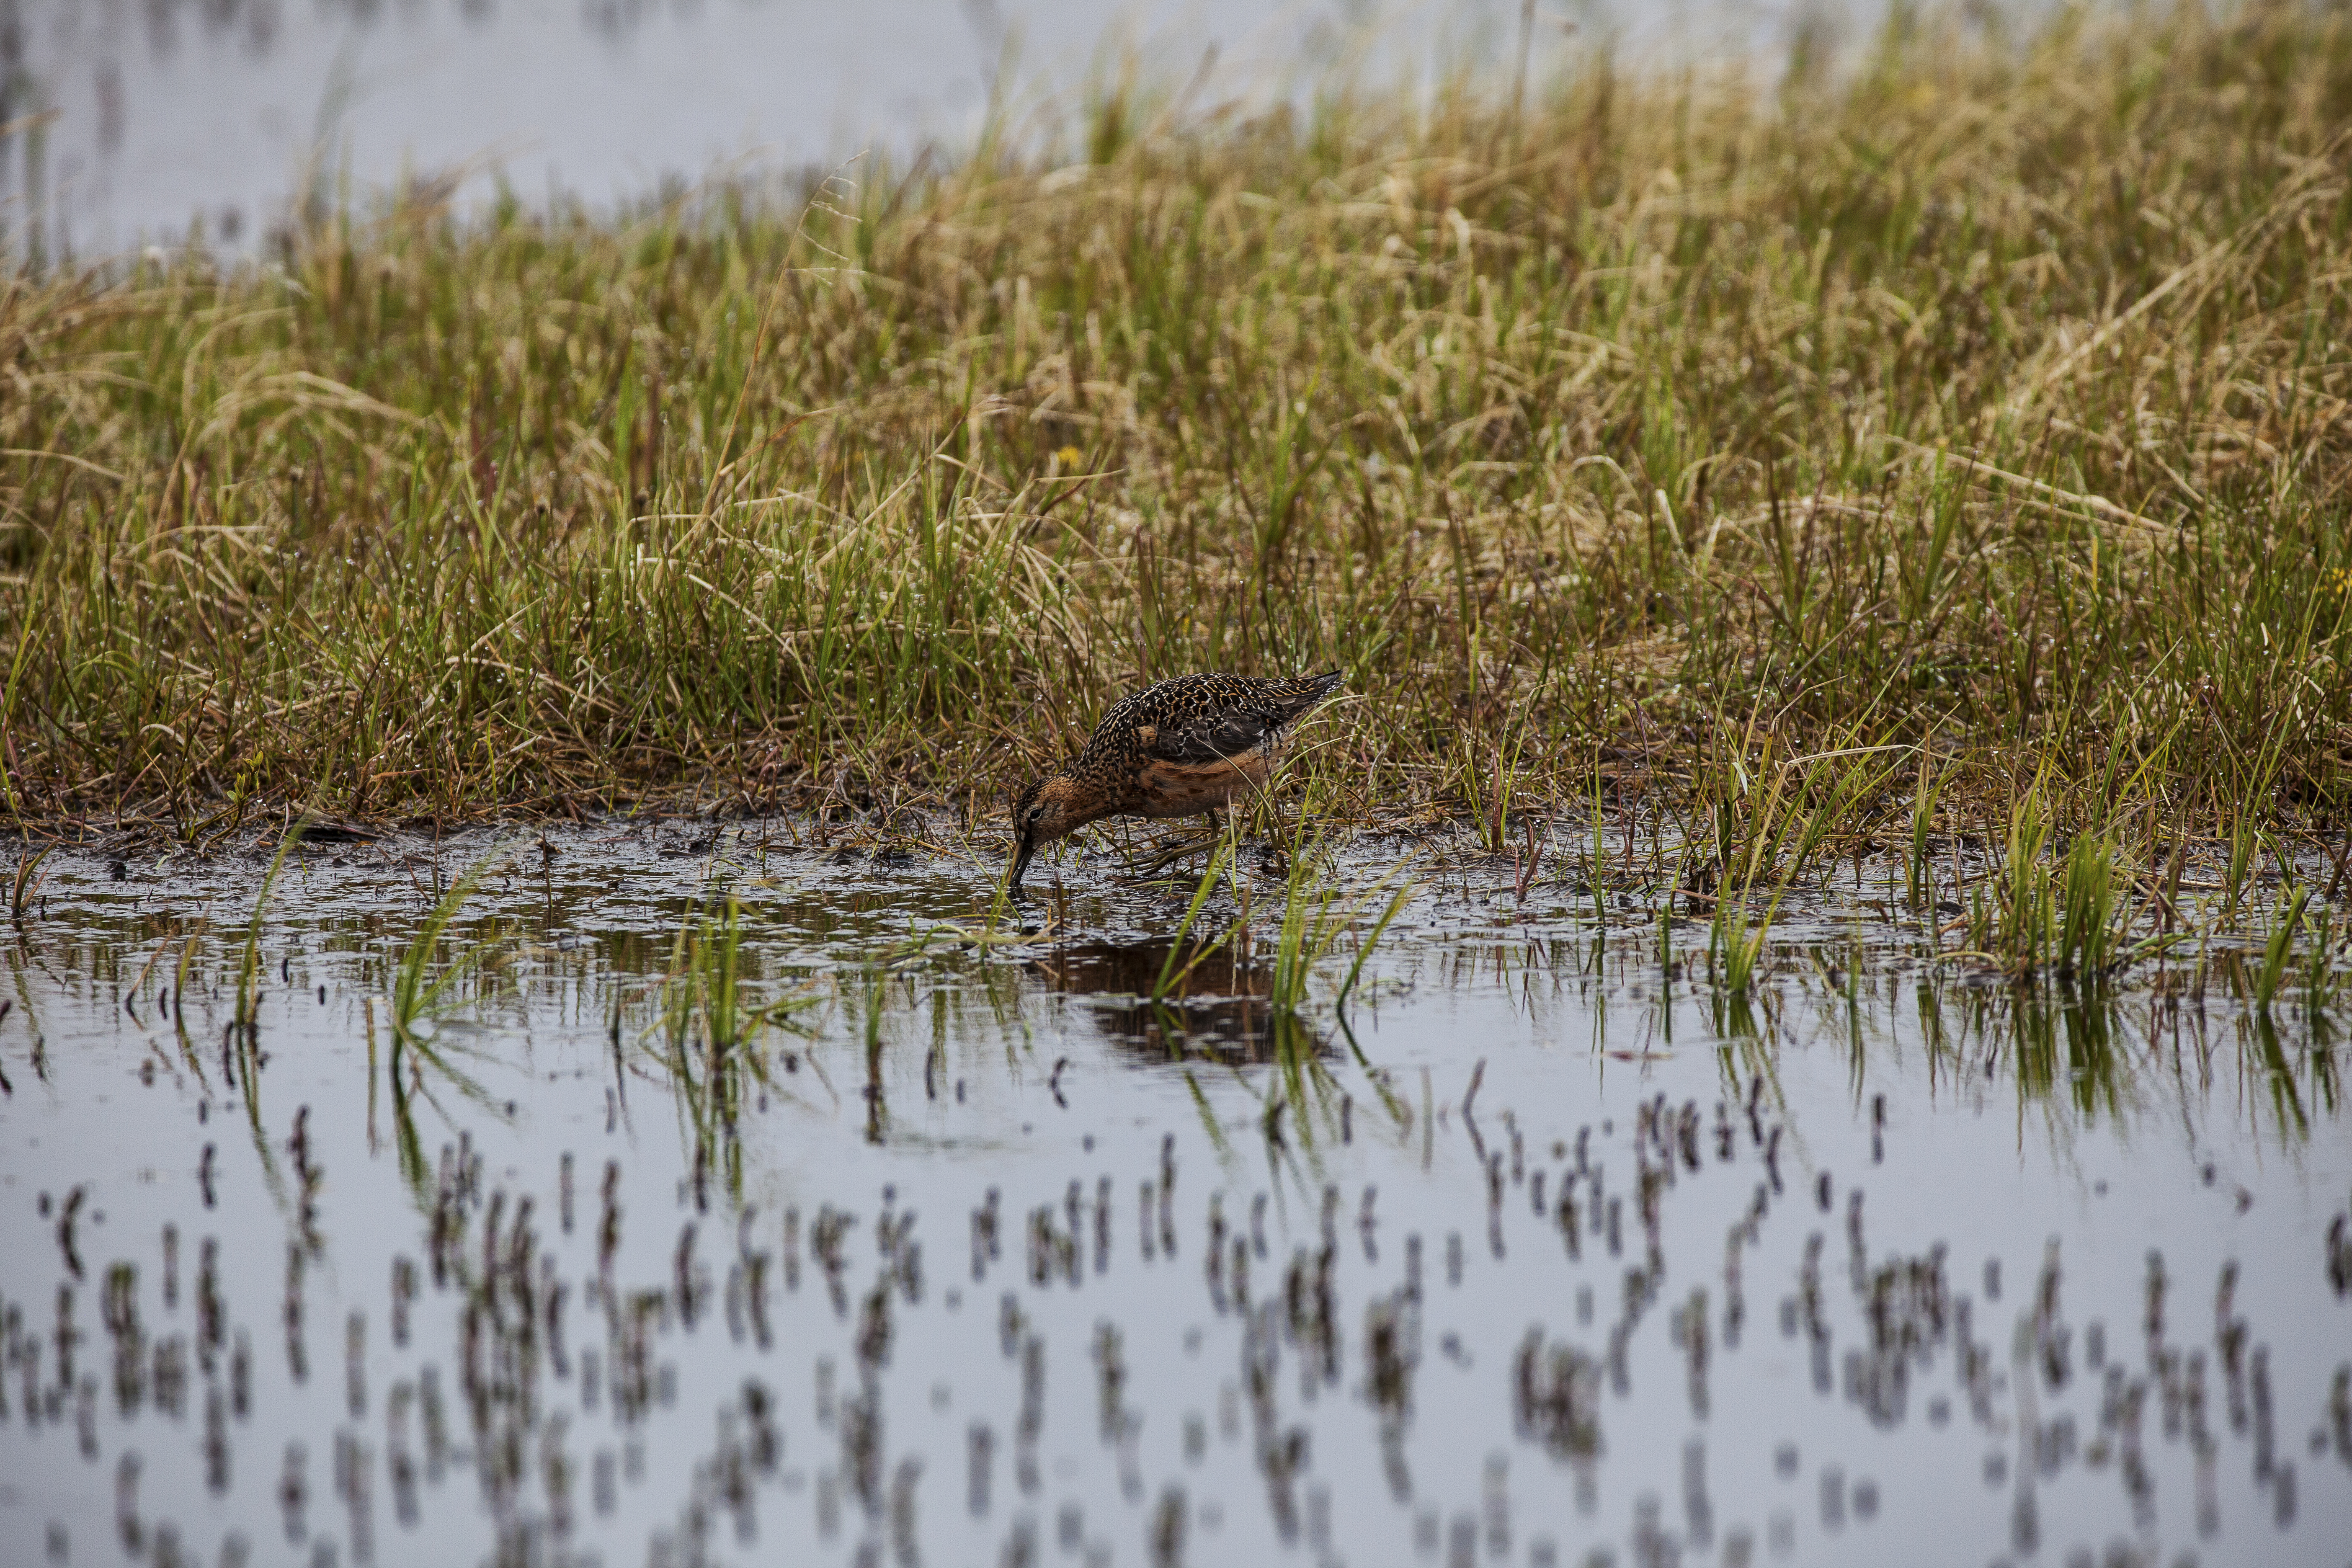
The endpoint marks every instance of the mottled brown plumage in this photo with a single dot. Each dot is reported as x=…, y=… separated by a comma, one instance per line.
x=1179, y=748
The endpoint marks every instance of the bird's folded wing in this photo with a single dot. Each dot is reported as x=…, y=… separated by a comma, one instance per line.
x=1209, y=738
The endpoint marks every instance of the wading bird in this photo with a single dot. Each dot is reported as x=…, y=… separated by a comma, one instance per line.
x=1179, y=748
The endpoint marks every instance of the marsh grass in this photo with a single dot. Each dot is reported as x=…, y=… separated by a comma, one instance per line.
x=1919, y=855
x=2094, y=917
x=1673, y=448
x=2064, y=914
x=426, y=985
x=1320, y=908
x=1736, y=942
x=248, y=966
x=1399, y=897
x=2279, y=948
x=25, y=880
x=422, y=983
x=1312, y=920
x=709, y=1017
x=1171, y=976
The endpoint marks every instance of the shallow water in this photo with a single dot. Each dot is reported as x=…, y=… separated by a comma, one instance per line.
x=1534, y=1250
x=225, y=114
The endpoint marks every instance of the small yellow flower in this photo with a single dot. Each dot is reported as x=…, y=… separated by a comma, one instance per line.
x=1069, y=456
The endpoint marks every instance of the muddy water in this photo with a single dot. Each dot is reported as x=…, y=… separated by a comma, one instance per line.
x=1535, y=1250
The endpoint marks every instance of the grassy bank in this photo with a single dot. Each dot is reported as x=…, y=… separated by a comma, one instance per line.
x=1976, y=417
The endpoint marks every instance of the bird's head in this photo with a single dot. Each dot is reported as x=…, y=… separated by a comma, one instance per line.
x=1047, y=809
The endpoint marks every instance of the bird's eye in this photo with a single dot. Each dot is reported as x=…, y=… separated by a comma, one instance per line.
x=1036, y=815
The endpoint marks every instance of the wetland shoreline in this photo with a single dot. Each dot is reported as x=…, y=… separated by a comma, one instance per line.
x=1976, y=430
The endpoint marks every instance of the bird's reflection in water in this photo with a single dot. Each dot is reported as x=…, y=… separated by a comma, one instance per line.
x=1211, y=1001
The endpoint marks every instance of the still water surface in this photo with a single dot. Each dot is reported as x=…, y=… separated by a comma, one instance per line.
x=1534, y=1250
x=142, y=122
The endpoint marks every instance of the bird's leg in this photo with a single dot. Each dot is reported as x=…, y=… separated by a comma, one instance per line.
x=1169, y=854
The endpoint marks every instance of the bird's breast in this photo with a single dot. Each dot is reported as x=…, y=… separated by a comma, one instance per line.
x=1186, y=789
